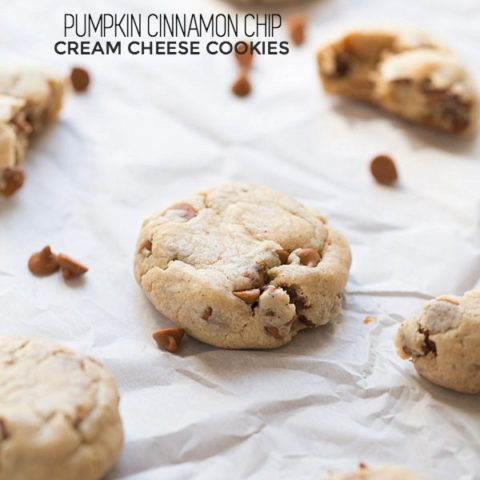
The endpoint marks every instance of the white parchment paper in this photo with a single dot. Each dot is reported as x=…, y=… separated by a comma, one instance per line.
x=153, y=129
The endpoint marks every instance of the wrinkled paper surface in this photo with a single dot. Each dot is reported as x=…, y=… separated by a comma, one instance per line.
x=153, y=129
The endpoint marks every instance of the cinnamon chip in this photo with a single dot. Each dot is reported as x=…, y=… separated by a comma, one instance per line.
x=207, y=313
x=244, y=60
x=80, y=79
x=11, y=181
x=189, y=211
x=169, y=338
x=43, y=262
x=309, y=257
x=296, y=27
x=242, y=87
x=146, y=246
x=384, y=170
x=70, y=268
x=282, y=255
x=273, y=331
x=248, y=296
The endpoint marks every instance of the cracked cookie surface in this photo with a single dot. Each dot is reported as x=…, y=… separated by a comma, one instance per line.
x=58, y=413
x=242, y=266
x=404, y=71
x=444, y=342
x=386, y=472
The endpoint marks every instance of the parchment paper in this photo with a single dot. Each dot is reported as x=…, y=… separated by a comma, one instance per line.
x=153, y=129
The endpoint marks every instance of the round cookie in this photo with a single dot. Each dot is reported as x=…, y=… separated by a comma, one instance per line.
x=242, y=266
x=444, y=342
x=388, y=472
x=58, y=413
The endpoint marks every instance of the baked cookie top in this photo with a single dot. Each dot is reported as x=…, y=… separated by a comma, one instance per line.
x=444, y=342
x=242, y=266
x=58, y=413
x=405, y=71
x=387, y=472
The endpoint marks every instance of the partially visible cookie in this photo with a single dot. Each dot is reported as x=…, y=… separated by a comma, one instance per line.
x=59, y=414
x=14, y=132
x=29, y=99
x=444, y=342
x=242, y=266
x=42, y=90
x=388, y=472
x=404, y=71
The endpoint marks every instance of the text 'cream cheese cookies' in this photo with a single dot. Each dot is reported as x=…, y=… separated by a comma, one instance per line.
x=242, y=266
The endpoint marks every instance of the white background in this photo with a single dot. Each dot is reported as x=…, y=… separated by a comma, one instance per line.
x=153, y=129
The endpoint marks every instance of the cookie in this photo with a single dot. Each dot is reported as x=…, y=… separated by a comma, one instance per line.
x=444, y=342
x=387, y=472
x=29, y=99
x=404, y=71
x=58, y=413
x=43, y=91
x=242, y=266
x=14, y=131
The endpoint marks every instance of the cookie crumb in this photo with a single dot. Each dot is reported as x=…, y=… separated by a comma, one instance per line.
x=169, y=338
x=369, y=319
x=80, y=79
x=296, y=27
x=242, y=87
x=384, y=170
